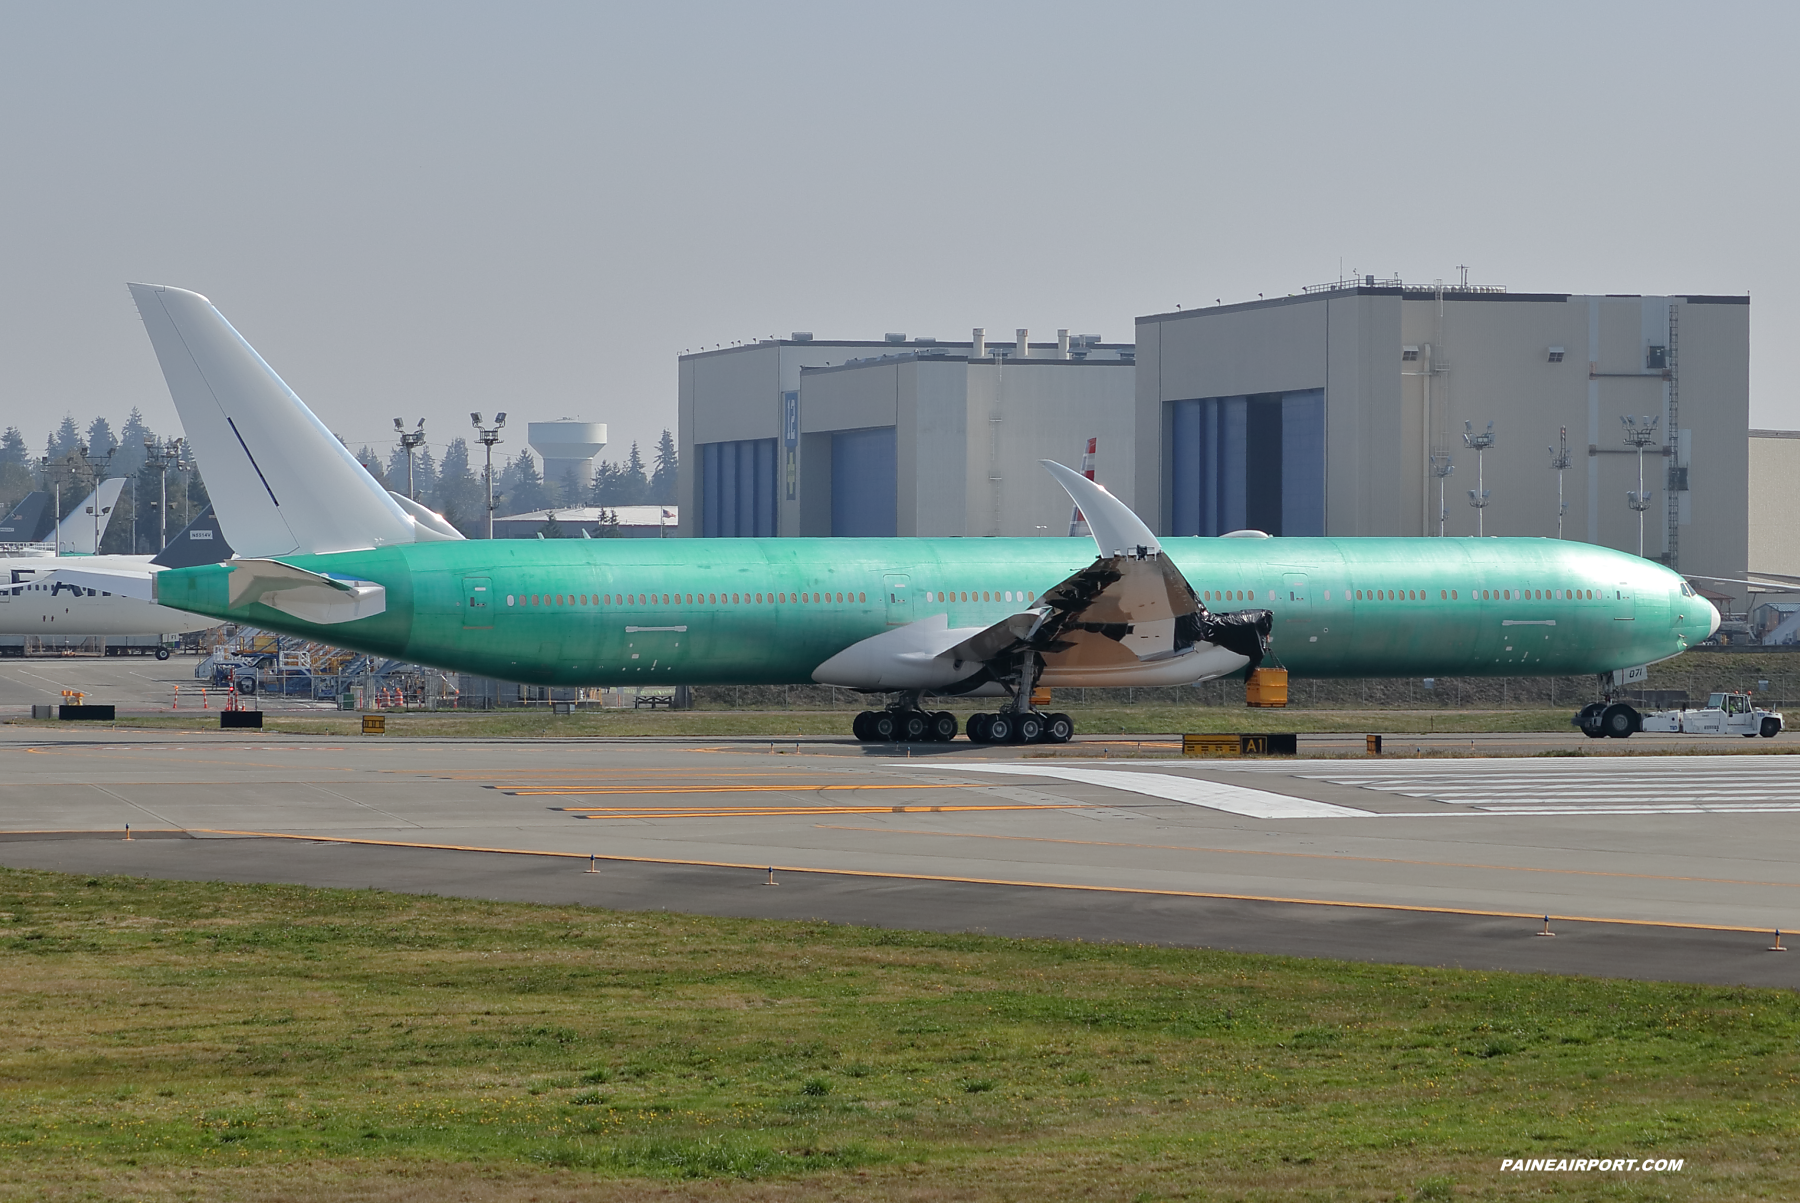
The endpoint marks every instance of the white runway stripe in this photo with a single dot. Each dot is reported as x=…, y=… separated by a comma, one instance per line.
x=1233, y=799
x=1666, y=785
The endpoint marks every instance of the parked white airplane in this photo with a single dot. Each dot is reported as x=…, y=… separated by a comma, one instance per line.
x=34, y=602
x=78, y=534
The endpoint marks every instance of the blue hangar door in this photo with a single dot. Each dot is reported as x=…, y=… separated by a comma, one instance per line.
x=865, y=483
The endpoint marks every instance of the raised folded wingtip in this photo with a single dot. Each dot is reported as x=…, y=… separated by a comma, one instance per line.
x=1116, y=528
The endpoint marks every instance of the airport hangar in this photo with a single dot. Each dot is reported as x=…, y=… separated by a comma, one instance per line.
x=1319, y=413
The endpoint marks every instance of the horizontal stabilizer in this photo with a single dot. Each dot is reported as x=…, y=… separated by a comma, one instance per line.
x=121, y=582
x=308, y=596
x=429, y=526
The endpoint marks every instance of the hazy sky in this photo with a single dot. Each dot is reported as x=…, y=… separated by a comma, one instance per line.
x=420, y=210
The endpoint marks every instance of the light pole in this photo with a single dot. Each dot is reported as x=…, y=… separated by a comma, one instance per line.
x=96, y=509
x=489, y=435
x=410, y=442
x=1559, y=462
x=165, y=455
x=1639, y=433
x=1440, y=468
x=1478, y=496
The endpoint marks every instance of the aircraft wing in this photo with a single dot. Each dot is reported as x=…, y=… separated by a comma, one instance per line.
x=1130, y=617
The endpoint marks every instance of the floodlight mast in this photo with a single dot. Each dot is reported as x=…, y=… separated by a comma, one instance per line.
x=165, y=455
x=1478, y=496
x=410, y=441
x=1440, y=468
x=1559, y=463
x=489, y=435
x=97, y=510
x=1639, y=433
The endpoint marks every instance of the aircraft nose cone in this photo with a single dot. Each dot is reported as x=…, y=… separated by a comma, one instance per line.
x=1713, y=622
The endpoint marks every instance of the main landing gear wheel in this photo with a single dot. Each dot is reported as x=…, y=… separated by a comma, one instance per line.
x=1005, y=727
x=912, y=726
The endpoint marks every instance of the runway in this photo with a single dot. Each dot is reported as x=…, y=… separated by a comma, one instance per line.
x=1653, y=866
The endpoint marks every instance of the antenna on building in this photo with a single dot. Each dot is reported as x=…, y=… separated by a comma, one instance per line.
x=1440, y=468
x=1559, y=463
x=1640, y=433
x=1479, y=444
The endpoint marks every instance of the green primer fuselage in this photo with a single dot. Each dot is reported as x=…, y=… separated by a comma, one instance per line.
x=727, y=611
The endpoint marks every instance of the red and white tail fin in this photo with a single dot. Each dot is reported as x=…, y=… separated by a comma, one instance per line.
x=1077, y=524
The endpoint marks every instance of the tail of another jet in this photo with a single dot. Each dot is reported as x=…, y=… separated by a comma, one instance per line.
x=284, y=484
x=84, y=526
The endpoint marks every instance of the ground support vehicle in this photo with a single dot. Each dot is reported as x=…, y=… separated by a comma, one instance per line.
x=1723, y=714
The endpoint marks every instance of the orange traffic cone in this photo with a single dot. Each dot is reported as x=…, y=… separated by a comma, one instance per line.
x=204, y=705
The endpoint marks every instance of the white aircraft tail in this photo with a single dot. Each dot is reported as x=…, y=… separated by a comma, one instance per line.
x=84, y=526
x=283, y=484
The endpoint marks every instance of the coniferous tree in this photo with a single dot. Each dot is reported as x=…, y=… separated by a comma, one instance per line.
x=100, y=438
x=16, y=478
x=662, y=479
x=523, y=485
x=131, y=444
x=636, y=484
x=64, y=439
x=459, y=496
x=605, y=489
x=13, y=449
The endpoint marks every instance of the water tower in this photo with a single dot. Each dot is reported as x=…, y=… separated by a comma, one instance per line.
x=568, y=446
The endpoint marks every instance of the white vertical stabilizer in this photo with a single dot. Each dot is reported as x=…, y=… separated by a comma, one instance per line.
x=82, y=529
x=281, y=483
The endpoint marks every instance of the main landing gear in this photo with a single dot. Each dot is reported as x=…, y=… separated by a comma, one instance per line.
x=1021, y=727
x=985, y=727
x=907, y=724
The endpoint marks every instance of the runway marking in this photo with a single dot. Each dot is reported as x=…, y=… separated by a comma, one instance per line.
x=1194, y=791
x=560, y=791
x=1533, y=916
x=1376, y=860
x=1675, y=785
x=733, y=812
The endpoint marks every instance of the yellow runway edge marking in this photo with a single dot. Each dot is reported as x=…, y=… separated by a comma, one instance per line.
x=994, y=881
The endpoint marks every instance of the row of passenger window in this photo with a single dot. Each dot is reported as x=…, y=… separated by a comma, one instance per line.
x=1425, y=594
x=1476, y=595
x=677, y=599
x=741, y=599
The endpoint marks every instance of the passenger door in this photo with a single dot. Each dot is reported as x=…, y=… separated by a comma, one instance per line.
x=899, y=599
x=478, y=603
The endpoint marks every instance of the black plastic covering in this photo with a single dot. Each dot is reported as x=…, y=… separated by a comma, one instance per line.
x=1245, y=632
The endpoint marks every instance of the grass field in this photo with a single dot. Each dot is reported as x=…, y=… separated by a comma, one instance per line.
x=172, y=1041
x=1111, y=720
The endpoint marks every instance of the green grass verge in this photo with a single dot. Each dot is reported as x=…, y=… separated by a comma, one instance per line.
x=178, y=1040
x=1109, y=720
